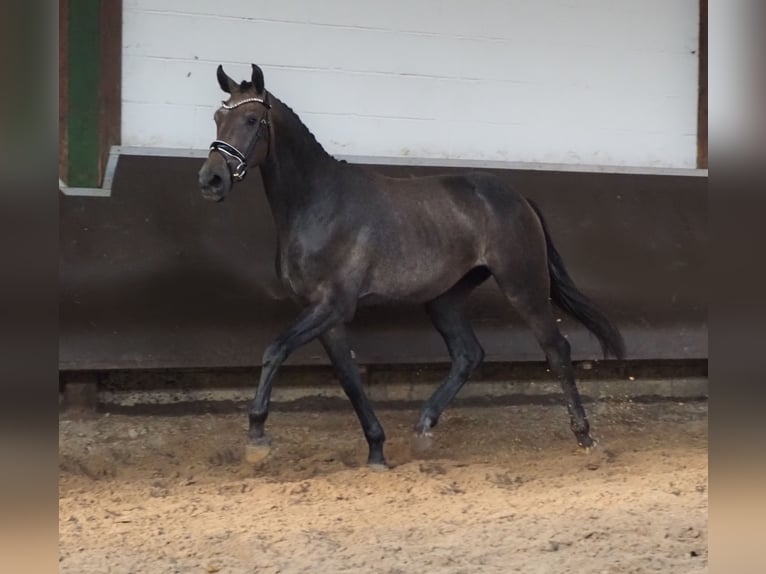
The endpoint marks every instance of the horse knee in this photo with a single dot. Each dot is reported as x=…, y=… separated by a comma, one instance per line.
x=274, y=353
x=474, y=357
x=468, y=358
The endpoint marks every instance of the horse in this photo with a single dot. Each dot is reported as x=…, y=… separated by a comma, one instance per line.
x=348, y=236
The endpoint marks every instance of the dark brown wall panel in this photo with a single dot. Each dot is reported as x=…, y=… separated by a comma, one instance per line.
x=155, y=276
x=110, y=79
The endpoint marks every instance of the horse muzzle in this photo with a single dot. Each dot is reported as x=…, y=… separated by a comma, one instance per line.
x=213, y=185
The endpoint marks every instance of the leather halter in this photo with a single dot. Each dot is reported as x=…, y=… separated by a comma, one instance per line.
x=229, y=151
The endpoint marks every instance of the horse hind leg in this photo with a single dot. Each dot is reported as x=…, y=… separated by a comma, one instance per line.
x=448, y=316
x=337, y=348
x=529, y=294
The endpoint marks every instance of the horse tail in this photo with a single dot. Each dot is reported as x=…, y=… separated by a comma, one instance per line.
x=572, y=301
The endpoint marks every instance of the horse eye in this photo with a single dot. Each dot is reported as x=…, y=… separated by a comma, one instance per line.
x=251, y=121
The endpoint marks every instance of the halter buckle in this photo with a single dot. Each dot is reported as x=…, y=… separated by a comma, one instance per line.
x=239, y=172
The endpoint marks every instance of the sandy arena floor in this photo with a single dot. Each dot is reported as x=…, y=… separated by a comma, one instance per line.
x=503, y=489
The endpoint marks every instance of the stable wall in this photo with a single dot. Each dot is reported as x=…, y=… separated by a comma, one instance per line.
x=593, y=82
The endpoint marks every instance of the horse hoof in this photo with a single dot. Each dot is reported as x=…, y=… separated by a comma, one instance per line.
x=378, y=466
x=588, y=446
x=422, y=442
x=257, y=451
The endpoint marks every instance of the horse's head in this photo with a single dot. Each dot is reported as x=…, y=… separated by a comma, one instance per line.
x=243, y=135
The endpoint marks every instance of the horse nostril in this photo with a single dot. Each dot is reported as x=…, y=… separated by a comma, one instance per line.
x=210, y=182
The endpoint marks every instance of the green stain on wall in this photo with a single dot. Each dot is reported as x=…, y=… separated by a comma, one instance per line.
x=83, y=112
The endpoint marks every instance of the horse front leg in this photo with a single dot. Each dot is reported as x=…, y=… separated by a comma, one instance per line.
x=314, y=321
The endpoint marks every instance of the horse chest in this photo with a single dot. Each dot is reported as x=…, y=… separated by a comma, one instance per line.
x=297, y=271
x=318, y=258
x=288, y=273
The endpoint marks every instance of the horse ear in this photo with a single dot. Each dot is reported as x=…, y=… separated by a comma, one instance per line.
x=226, y=83
x=258, y=79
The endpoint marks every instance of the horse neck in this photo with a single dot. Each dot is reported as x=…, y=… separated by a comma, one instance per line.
x=295, y=164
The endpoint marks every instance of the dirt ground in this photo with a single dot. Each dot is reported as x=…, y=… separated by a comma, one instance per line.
x=502, y=489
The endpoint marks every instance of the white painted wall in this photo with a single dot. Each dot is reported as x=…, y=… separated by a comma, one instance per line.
x=603, y=82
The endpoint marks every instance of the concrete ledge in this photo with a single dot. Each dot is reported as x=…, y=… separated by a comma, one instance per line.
x=407, y=392
x=307, y=388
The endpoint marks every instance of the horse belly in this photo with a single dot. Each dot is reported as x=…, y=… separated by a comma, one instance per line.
x=418, y=282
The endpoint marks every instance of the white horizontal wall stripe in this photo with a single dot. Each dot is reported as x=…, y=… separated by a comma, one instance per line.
x=651, y=24
x=587, y=82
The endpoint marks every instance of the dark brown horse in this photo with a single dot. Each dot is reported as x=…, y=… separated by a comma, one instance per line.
x=349, y=237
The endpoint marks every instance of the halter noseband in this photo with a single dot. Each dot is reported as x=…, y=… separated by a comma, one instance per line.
x=229, y=151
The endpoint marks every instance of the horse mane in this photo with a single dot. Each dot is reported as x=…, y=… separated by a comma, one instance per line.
x=292, y=117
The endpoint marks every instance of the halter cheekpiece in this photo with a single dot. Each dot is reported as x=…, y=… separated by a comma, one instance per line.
x=229, y=151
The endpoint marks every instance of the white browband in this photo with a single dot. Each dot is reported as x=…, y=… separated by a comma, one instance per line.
x=247, y=101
